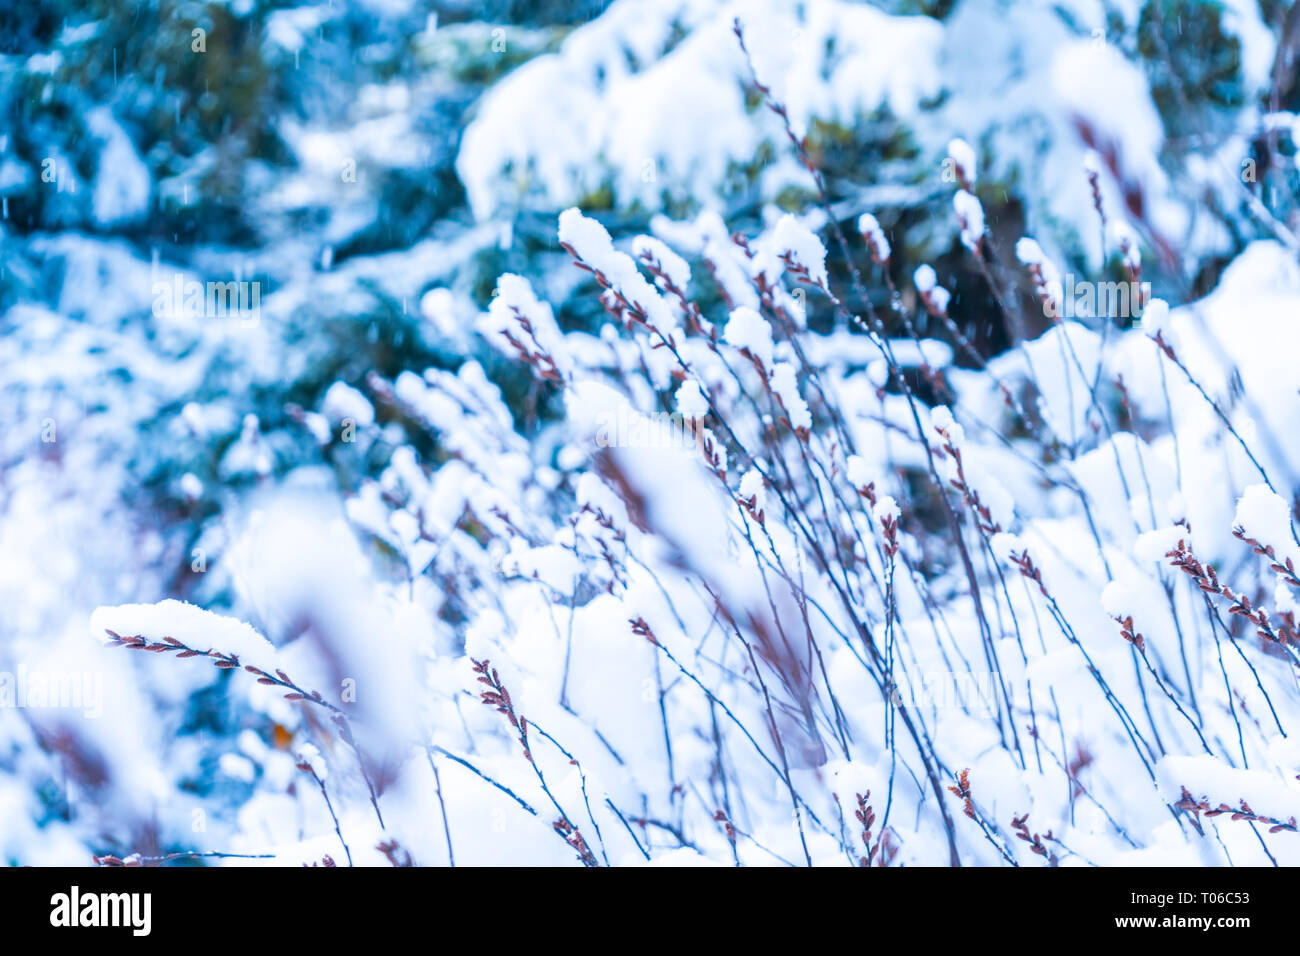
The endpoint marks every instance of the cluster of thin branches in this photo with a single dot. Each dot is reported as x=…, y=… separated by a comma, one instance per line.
x=858, y=593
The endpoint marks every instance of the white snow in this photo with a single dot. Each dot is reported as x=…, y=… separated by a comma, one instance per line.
x=1265, y=516
x=691, y=402
x=746, y=329
x=193, y=626
x=122, y=182
x=592, y=245
x=924, y=278
x=874, y=236
x=927, y=283
x=622, y=102
x=342, y=403
x=885, y=508
x=858, y=471
x=1152, y=546
x=310, y=755
x=514, y=304
x=792, y=238
x=963, y=159
x=786, y=385
x=970, y=215
x=673, y=266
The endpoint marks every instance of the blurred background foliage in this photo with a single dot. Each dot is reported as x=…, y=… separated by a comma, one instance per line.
x=314, y=149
